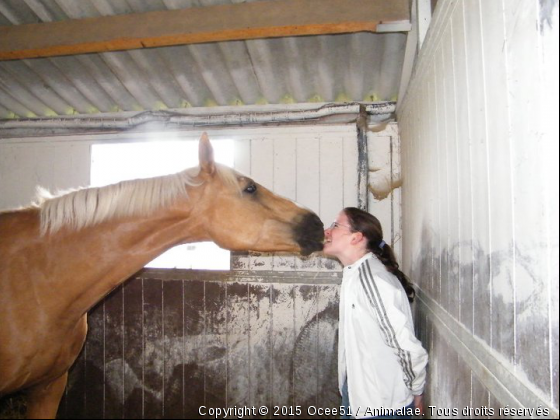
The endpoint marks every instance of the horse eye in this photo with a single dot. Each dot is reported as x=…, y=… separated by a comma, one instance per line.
x=251, y=189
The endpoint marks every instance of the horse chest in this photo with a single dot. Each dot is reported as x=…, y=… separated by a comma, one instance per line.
x=27, y=364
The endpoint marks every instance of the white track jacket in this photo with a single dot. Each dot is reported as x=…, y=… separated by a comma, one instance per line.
x=377, y=349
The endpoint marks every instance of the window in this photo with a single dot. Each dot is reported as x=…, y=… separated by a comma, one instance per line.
x=115, y=162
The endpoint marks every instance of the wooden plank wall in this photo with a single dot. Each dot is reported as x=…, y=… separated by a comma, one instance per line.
x=169, y=342
x=479, y=134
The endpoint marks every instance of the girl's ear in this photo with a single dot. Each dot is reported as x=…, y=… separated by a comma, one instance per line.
x=358, y=237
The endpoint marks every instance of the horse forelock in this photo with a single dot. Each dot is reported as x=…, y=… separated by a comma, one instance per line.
x=80, y=208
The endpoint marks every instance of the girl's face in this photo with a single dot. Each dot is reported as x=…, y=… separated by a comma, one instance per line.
x=338, y=236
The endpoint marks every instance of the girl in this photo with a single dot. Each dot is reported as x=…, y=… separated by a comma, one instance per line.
x=381, y=364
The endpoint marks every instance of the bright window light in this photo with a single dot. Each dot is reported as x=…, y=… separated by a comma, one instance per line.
x=115, y=162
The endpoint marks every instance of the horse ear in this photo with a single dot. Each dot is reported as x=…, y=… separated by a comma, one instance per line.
x=206, y=155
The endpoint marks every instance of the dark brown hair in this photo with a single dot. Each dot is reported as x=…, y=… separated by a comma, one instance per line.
x=370, y=227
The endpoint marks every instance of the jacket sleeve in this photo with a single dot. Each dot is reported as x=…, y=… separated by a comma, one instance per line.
x=387, y=304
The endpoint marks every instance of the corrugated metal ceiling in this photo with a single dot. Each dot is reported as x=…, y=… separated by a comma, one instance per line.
x=327, y=68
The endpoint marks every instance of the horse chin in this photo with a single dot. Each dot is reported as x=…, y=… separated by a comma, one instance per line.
x=309, y=234
x=311, y=248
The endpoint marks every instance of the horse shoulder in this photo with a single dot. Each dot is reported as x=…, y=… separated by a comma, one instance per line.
x=42, y=357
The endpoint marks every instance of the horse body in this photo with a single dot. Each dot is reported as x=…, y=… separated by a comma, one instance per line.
x=66, y=274
x=51, y=277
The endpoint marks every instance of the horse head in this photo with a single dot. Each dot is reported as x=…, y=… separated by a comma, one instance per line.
x=239, y=214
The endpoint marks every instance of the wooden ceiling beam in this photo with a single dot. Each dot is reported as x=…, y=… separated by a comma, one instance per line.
x=265, y=19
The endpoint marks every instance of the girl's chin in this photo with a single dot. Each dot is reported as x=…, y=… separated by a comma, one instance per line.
x=327, y=249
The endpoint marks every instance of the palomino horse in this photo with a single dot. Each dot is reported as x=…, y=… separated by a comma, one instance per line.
x=63, y=255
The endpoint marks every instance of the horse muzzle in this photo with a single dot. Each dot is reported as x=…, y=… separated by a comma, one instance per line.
x=309, y=233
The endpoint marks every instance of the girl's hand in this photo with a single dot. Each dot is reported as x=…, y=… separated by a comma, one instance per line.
x=418, y=403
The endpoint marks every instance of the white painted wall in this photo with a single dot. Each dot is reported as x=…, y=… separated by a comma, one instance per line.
x=313, y=165
x=55, y=164
x=479, y=133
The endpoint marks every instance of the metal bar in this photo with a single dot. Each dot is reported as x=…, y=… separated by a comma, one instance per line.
x=202, y=117
x=363, y=172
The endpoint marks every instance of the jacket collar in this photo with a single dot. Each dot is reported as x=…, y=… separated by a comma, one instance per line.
x=350, y=269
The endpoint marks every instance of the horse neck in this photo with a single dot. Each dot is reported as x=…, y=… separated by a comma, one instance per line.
x=97, y=259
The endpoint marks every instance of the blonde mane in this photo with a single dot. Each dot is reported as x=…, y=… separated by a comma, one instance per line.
x=140, y=197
